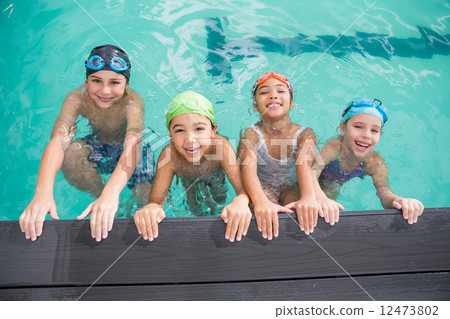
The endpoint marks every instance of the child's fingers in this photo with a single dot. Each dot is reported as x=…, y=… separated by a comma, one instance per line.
x=147, y=227
x=85, y=213
x=92, y=222
x=420, y=208
x=53, y=213
x=275, y=224
x=264, y=226
x=137, y=222
x=248, y=220
x=224, y=215
x=288, y=208
x=161, y=215
x=105, y=219
x=269, y=224
x=234, y=224
x=39, y=224
x=154, y=226
x=110, y=221
x=258, y=222
x=416, y=211
x=336, y=215
x=241, y=229
x=326, y=214
x=397, y=205
x=321, y=211
x=26, y=223
x=301, y=221
x=21, y=219
x=314, y=217
x=305, y=225
x=31, y=224
x=98, y=225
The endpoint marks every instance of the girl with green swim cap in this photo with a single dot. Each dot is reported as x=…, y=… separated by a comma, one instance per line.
x=351, y=155
x=195, y=154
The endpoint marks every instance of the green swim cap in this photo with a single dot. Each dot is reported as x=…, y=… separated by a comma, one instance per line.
x=189, y=102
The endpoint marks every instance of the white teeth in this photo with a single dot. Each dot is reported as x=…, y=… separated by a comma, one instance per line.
x=192, y=150
x=362, y=144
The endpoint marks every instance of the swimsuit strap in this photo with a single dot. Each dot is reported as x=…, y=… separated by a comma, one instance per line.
x=257, y=131
x=360, y=165
x=299, y=131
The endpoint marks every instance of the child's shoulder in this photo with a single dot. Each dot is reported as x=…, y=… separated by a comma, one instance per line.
x=334, y=142
x=221, y=141
x=251, y=134
x=373, y=162
x=304, y=134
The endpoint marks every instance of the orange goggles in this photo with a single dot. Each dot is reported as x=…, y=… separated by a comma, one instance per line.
x=264, y=77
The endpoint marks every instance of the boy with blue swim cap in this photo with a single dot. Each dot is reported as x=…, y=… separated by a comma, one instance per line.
x=200, y=158
x=351, y=155
x=116, y=117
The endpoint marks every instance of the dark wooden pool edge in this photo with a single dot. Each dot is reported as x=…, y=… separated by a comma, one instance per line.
x=368, y=255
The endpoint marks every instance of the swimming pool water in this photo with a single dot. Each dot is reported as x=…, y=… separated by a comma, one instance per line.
x=397, y=52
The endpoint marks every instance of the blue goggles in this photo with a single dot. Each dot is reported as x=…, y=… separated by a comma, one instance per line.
x=116, y=64
x=365, y=106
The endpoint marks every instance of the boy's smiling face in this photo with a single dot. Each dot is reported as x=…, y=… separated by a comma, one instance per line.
x=106, y=87
x=191, y=135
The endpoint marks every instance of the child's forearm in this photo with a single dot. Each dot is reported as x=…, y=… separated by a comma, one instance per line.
x=124, y=169
x=253, y=186
x=51, y=163
x=387, y=198
x=306, y=181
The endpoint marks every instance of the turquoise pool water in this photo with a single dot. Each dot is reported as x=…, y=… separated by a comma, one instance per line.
x=397, y=52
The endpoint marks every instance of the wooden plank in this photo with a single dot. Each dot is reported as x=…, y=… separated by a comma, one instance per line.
x=192, y=250
x=427, y=286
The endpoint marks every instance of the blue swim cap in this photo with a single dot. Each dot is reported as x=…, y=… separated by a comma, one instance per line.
x=365, y=106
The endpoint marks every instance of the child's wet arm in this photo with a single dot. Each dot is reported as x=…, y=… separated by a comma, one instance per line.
x=64, y=129
x=135, y=113
x=249, y=168
x=132, y=147
x=51, y=163
x=231, y=167
x=61, y=136
x=304, y=160
x=376, y=167
x=163, y=178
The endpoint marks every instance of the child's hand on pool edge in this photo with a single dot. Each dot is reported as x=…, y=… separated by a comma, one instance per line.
x=411, y=208
x=32, y=219
x=102, y=213
x=237, y=216
x=147, y=220
x=307, y=210
x=329, y=210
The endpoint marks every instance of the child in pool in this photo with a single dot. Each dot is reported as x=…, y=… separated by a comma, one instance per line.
x=115, y=113
x=196, y=153
x=351, y=155
x=276, y=157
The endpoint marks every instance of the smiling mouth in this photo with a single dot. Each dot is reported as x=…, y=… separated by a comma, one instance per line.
x=192, y=151
x=105, y=99
x=274, y=105
x=362, y=146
